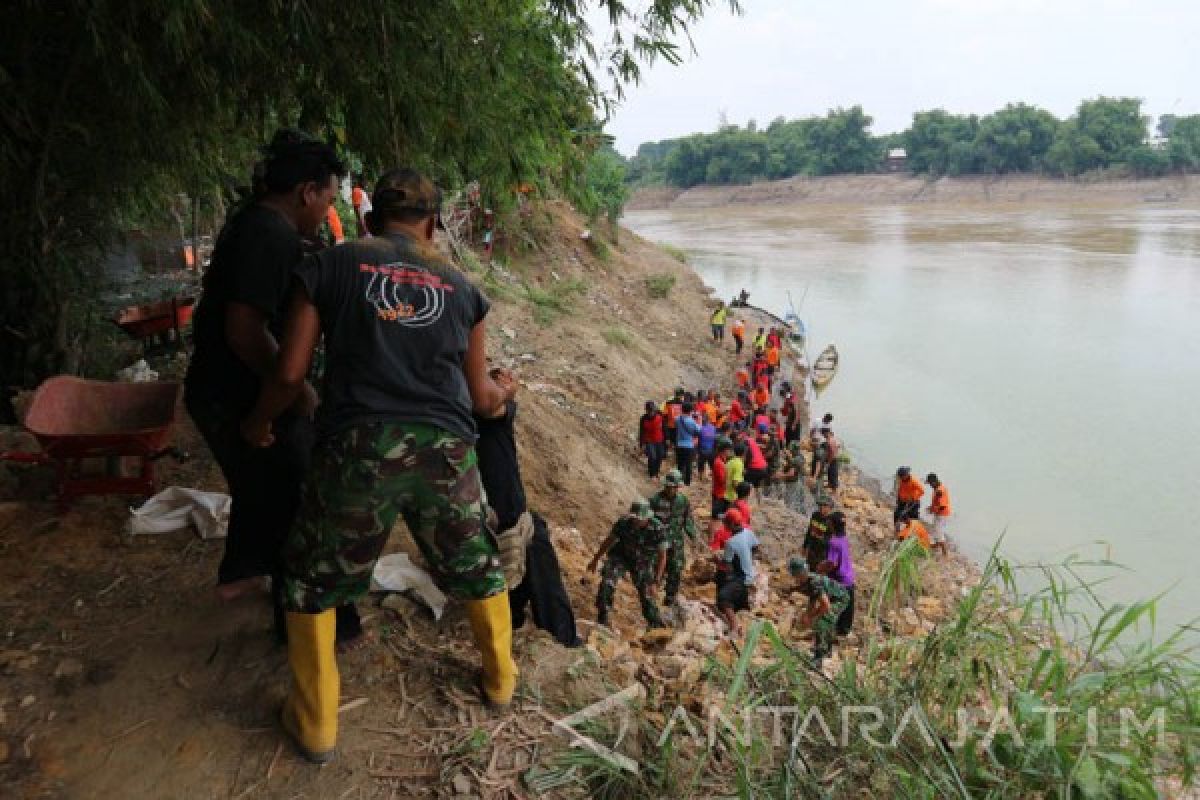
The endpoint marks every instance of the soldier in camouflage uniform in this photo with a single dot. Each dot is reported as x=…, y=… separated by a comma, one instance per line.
x=827, y=599
x=638, y=545
x=674, y=511
x=406, y=341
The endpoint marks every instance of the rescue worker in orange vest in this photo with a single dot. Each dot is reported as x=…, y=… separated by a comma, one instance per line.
x=739, y=335
x=939, y=510
x=912, y=527
x=909, y=492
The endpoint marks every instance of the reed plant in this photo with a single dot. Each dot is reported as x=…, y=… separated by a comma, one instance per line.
x=1050, y=692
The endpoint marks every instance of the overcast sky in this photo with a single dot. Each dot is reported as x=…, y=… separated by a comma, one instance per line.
x=802, y=57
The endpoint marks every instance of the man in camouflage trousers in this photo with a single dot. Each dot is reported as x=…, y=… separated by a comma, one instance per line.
x=361, y=480
x=827, y=599
x=638, y=545
x=674, y=511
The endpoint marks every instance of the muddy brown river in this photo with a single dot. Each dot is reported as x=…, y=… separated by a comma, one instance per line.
x=1044, y=360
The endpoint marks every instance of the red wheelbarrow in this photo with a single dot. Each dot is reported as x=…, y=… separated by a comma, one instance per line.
x=157, y=319
x=73, y=419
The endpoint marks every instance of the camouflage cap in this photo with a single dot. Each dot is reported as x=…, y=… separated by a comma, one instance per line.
x=641, y=509
x=673, y=478
x=825, y=500
x=723, y=442
x=406, y=190
x=797, y=566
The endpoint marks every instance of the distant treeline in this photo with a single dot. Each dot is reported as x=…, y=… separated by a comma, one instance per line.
x=1105, y=133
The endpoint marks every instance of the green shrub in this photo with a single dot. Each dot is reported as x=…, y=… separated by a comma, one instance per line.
x=677, y=253
x=660, y=284
x=552, y=301
x=618, y=337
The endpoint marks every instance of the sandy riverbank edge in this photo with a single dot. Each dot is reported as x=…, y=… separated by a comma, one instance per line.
x=902, y=189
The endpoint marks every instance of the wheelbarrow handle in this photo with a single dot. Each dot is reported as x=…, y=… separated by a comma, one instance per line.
x=24, y=458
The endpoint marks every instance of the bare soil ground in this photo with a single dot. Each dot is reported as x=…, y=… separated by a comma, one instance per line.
x=121, y=676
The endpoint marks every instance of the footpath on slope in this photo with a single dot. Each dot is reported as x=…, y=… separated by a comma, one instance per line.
x=122, y=676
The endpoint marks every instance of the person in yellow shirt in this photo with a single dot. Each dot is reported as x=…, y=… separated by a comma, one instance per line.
x=735, y=472
x=718, y=321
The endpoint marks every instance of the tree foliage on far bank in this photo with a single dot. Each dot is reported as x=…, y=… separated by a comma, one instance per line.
x=112, y=109
x=1104, y=133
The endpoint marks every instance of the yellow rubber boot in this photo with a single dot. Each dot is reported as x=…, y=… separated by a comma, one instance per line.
x=310, y=711
x=491, y=625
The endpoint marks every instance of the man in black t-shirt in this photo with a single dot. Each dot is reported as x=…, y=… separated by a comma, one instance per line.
x=406, y=366
x=236, y=331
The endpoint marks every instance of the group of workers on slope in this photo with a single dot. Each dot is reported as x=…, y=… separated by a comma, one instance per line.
x=409, y=423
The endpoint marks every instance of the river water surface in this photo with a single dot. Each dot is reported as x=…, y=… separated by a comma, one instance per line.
x=1044, y=360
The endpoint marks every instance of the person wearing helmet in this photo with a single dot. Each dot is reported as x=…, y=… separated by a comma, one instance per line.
x=674, y=511
x=827, y=599
x=637, y=544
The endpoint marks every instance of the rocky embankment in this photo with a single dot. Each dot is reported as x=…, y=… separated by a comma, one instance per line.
x=903, y=188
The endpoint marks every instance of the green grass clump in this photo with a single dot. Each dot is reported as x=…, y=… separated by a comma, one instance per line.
x=677, y=253
x=660, y=284
x=618, y=337
x=552, y=301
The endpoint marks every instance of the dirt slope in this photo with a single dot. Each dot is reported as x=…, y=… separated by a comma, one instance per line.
x=121, y=677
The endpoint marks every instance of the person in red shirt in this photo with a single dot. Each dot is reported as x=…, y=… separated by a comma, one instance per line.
x=742, y=504
x=722, y=533
x=719, y=473
x=737, y=414
x=652, y=439
x=762, y=397
x=756, y=463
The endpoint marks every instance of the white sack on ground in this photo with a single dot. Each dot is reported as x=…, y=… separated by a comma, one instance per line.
x=397, y=573
x=176, y=508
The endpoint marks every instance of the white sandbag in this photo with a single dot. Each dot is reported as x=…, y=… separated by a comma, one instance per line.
x=397, y=573
x=177, y=508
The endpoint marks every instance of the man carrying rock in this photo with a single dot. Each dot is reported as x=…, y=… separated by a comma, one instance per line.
x=673, y=511
x=735, y=571
x=827, y=599
x=638, y=545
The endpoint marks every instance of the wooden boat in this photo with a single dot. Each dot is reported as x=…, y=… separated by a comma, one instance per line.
x=797, y=331
x=824, y=367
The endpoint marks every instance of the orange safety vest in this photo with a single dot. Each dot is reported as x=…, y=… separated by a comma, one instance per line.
x=773, y=356
x=761, y=396
x=739, y=330
x=910, y=490
x=335, y=225
x=941, y=501
x=743, y=378
x=914, y=526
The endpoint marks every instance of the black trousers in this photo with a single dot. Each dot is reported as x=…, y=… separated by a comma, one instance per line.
x=684, y=457
x=264, y=487
x=542, y=591
x=845, y=620
x=906, y=510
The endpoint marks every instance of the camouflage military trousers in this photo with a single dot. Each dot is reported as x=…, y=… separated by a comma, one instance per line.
x=676, y=561
x=360, y=481
x=825, y=629
x=642, y=575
